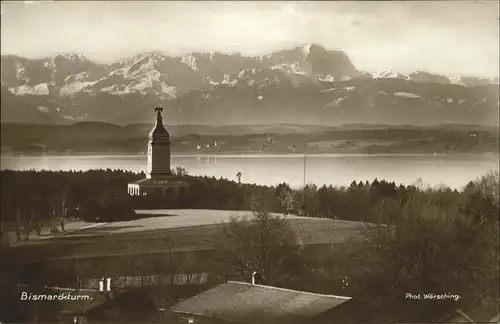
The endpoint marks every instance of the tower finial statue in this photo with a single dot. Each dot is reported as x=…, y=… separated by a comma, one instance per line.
x=158, y=110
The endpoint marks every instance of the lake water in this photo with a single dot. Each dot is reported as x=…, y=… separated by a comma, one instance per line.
x=338, y=170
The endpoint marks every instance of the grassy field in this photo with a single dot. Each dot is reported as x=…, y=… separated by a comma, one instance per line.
x=177, y=230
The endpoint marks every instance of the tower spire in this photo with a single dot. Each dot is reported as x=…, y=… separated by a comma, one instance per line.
x=159, y=130
x=158, y=149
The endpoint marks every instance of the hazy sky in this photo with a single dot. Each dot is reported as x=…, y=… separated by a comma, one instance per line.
x=451, y=38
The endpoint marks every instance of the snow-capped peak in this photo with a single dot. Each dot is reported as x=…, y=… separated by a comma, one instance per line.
x=306, y=49
x=456, y=79
x=387, y=74
x=143, y=56
x=190, y=61
x=151, y=55
x=471, y=81
x=74, y=56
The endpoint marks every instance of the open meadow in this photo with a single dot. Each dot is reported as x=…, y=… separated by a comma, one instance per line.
x=163, y=231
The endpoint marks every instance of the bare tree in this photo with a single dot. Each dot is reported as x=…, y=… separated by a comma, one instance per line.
x=180, y=171
x=62, y=214
x=29, y=223
x=189, y=268
x=285, y=197
x=18, y=225
x=264, y=243
x=4, y=235
x=489, y=186
x=167, y=264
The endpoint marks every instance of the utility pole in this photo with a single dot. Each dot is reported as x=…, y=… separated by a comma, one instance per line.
x=304, y=182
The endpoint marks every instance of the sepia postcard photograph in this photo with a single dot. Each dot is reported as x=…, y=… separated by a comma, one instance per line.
x=250, y=162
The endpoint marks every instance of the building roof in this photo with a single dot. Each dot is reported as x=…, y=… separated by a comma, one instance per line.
x=246, y=303
x=478, y=314
x=457, y=316
x=482, y=314
x=355, y=312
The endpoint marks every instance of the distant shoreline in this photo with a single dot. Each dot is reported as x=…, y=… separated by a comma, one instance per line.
x=249, y=155
x=96, y=141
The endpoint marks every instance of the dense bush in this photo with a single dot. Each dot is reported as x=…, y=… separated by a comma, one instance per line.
x=424, y=241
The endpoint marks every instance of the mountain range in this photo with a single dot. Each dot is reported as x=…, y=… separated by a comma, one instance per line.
x=307, y=84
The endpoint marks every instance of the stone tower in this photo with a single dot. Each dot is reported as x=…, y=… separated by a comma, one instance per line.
x=159, y=179
x=158, y=150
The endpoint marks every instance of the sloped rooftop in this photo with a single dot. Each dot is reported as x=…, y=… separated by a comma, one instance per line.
x=246, y=303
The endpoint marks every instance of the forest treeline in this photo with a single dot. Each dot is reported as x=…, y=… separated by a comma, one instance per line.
x=31, y=199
